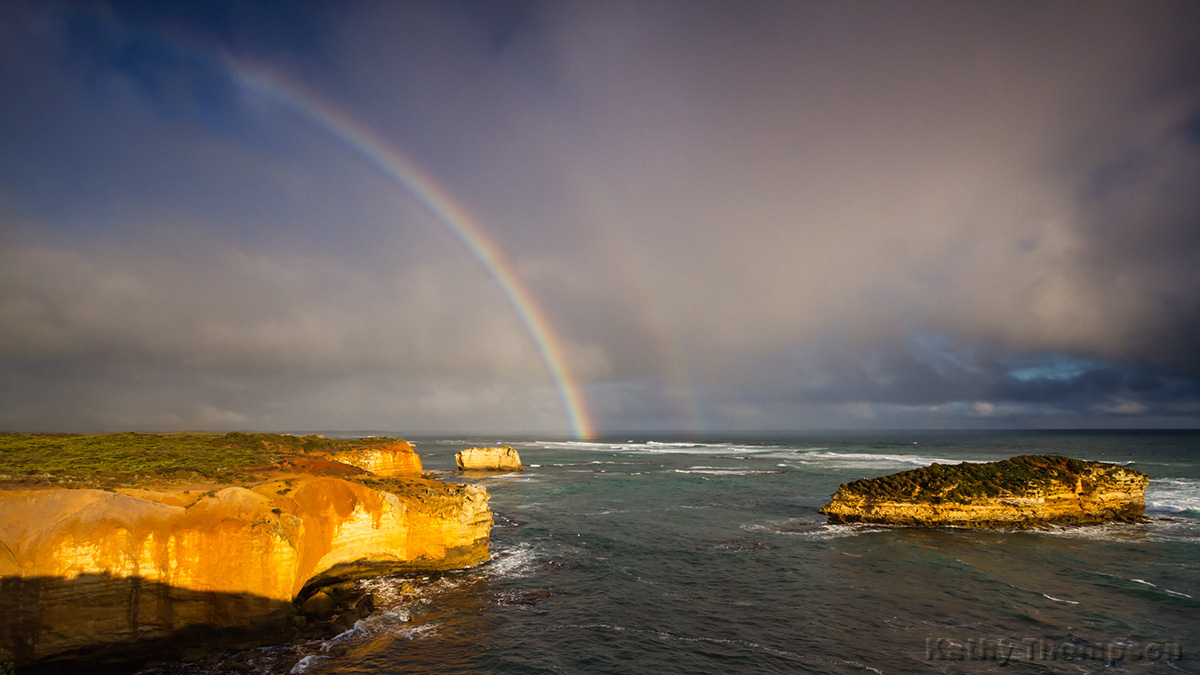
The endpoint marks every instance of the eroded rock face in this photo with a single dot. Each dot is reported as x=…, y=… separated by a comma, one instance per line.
x=396, y=459
x=489, y=459
x=84, y=570
x=1022, y=492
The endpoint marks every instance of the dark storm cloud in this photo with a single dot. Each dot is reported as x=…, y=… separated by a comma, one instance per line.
x=1010, y=178
x=754, y=215
x=919, y=377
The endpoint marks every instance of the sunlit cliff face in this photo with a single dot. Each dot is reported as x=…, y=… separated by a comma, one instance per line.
x=229, y=557
x=489, y=459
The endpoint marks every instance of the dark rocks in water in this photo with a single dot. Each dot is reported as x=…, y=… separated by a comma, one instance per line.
x=320, y=605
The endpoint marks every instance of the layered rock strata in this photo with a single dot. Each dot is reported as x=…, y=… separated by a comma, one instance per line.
x=393, y=459
x=489, y=459
x=1022, y=492
x=86, y=572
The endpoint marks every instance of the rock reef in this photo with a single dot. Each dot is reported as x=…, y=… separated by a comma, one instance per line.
x=1022, y=492
x=489, y=459
x=92, y=573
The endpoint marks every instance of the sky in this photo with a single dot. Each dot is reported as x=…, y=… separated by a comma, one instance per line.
x=581, y=218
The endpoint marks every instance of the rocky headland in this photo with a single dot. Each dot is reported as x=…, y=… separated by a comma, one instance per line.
x=1022, y=492
x=118, y=545
x=503, y=458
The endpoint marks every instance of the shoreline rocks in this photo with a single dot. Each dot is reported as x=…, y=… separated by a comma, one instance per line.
x=503, y=458
x=1018, y=493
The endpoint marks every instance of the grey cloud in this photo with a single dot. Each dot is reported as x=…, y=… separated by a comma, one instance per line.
x=234, y=311
x=920, y=176
x=750, y=215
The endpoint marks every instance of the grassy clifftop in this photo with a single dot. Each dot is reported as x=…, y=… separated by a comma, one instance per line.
x=114, y=460
x=963, y=483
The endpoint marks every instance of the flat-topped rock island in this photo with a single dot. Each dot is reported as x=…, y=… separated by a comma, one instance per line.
x=503, y=458
x=120, y=543
x=1022, y=492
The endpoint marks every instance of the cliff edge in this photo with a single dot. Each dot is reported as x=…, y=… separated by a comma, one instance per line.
x=1022, y=492
x=91, y=573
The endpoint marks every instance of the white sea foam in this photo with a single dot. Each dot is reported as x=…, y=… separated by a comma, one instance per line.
x=385, y=590
x=305, y=663
x=815, y=531
x=511, y=474
x=347, y=635
x=1051, y=597
x=868, y=459
x=397, y=615
x=424, y=630
x=723, y=471
x=1160, y=529
x=571, y=445
x=381, y=624
x=1102, y=532
x=514, y=562
x=393, y=592
x=658, y=447
x=1173, y=495
x=1165, y=590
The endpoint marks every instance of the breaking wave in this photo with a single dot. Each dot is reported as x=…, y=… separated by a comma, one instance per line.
x=1174, y=495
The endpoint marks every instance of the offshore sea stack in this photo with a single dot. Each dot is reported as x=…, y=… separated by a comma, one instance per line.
x=1018, y=493
x=489, y=459
x=94, y=574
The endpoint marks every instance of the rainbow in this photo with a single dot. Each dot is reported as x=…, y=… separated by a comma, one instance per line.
x=448, y=212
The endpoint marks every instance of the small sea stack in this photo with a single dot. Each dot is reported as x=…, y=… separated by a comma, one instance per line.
x=503, y=458
x=1018, y=493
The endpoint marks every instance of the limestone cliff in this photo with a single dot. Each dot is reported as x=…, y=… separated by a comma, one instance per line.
x=489, y=459
x=1022, y=492
x=393, y=459
x=87, y=571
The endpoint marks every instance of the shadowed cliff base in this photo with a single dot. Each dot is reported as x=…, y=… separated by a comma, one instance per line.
x=99, y=623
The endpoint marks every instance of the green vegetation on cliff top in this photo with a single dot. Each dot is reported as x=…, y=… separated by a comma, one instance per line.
x=972, y=480
x=112, y=460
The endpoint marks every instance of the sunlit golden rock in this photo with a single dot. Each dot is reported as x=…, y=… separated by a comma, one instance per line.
x=489, y=459
x=397, y=459
x=83, y=569
x=1022, y=492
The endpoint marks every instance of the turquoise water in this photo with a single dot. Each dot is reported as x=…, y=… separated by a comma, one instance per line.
x=637, y=556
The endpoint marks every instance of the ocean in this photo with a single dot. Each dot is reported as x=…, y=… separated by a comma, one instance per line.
x=661, y=555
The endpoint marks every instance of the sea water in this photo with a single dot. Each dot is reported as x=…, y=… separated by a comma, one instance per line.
x=660, y=555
